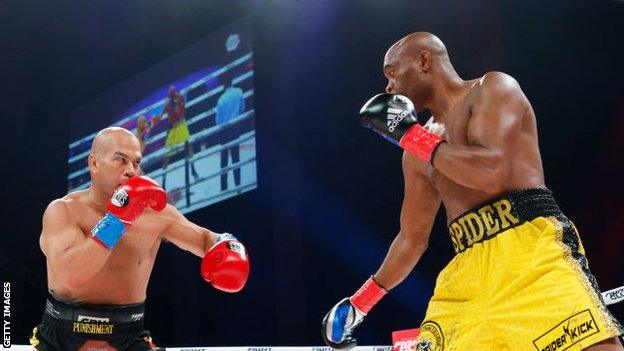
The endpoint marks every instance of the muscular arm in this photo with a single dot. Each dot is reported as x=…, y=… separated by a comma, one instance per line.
x=185, y=234
x=420, y=205
x=71, y=255
x=493, y=130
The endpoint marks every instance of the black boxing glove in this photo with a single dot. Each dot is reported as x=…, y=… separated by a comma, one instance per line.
x=393, y=117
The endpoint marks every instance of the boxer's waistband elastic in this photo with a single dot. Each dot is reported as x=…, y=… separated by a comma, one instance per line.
x=497, y=215
x=93, y=313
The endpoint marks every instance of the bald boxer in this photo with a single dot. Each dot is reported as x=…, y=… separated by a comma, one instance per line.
x=519, y=279
x=100, y=245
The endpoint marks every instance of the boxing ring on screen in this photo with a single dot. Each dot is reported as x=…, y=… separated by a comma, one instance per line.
x=197, y=129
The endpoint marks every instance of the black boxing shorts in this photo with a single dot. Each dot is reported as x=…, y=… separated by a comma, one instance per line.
x=68, y=326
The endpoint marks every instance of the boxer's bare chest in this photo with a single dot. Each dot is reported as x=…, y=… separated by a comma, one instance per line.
x=136, y=245
x=456, y=126
x=457, y=198
x=124, y=277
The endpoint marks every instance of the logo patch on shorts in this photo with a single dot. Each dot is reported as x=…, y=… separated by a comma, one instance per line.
x=568, y=332
x=92, y=328
x=120, y=198
x=430, y=338
x=87, y=319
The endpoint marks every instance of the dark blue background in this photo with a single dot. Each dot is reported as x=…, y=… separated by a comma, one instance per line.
x=329, y=192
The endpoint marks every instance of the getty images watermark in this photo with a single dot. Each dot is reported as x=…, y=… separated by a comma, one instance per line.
x=6, y=314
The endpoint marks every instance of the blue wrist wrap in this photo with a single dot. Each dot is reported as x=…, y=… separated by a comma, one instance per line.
x=108, y=230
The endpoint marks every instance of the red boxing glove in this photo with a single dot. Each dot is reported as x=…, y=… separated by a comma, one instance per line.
x=126, y=204
x=226, y=265
x=133, y=196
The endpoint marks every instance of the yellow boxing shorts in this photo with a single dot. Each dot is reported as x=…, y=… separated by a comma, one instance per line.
x=178, y=134
x=519, y=281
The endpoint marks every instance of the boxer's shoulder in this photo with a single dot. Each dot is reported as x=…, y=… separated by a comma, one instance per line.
x=58, y=209
x=169, y=212
x=62, y=207
x=71, y=208
x=498, y=79
x=75, y=198
x=168, y=215
x=495, y=84
x=495, y=90
x=60, y=215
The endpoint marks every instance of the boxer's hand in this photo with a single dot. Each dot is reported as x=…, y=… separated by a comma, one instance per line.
x=126, y=205
x=393, y=117
x=226, y=265
x=339, y=322
x=133, y=196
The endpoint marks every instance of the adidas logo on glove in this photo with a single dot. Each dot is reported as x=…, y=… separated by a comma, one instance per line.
x=395, y=116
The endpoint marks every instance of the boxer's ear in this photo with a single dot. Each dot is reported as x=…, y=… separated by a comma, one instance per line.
x=424, y=60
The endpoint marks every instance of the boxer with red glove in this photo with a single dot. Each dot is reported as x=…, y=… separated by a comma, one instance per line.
x=86, y=280
x=126, y=205
x=393, y=117
x=226, y=265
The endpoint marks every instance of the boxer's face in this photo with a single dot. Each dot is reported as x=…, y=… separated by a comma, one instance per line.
x=119, y=160
x=406, y=76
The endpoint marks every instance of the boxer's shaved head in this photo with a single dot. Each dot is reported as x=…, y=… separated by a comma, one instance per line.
x=115, y=156
x=411, y=45
x=415, y=64
x=108, y=138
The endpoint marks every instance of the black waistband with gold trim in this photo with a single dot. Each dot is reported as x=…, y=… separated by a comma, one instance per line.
x=497, y=215
x=58, y=308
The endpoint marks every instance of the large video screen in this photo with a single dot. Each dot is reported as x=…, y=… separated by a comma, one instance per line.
x=194, y=116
